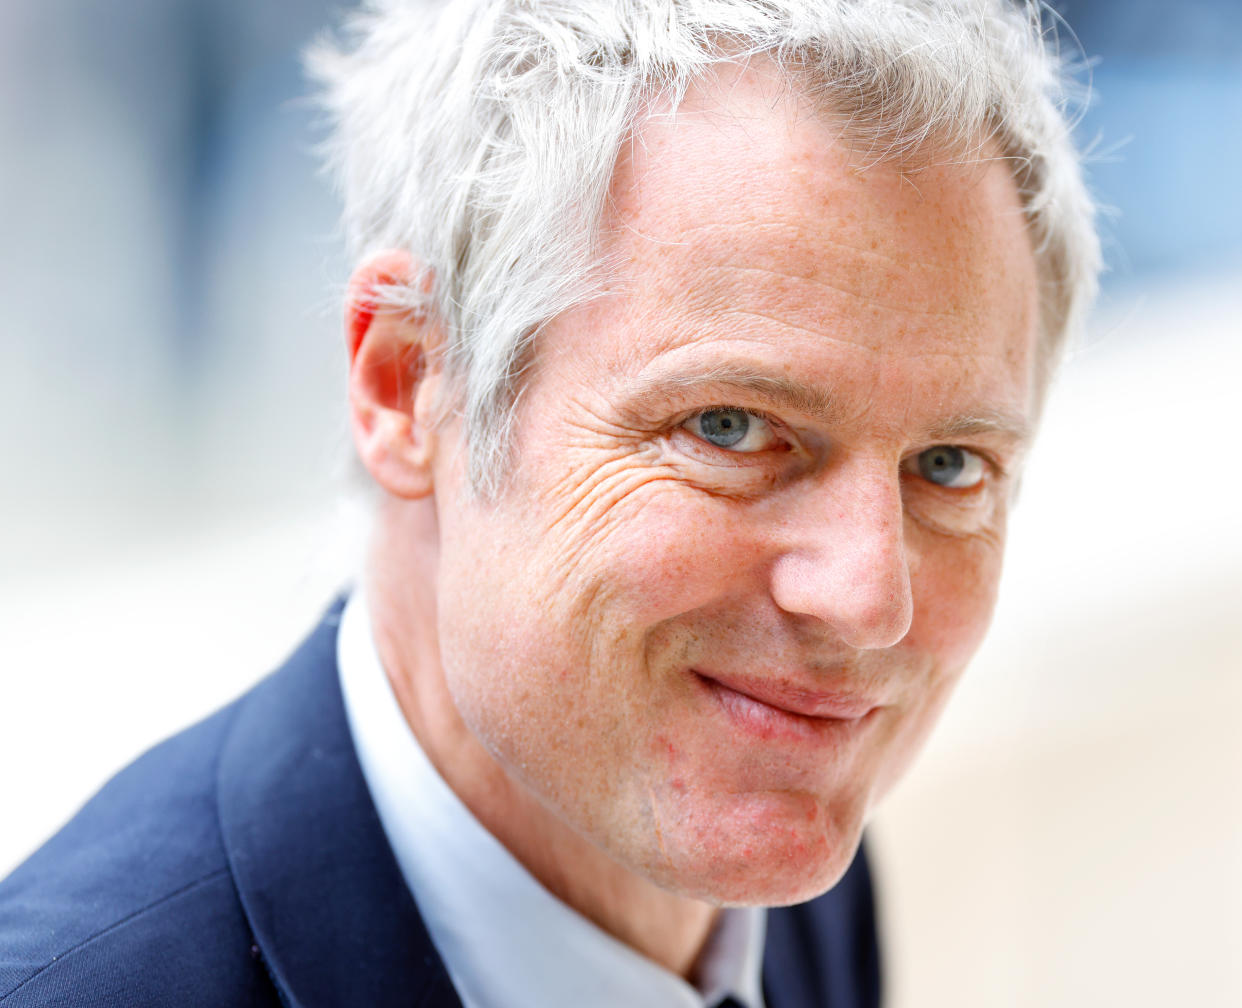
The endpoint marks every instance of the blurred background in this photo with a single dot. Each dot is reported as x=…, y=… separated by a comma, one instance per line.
x=171, y=430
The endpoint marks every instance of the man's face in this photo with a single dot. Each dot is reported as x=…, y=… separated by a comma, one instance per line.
x=754, y=526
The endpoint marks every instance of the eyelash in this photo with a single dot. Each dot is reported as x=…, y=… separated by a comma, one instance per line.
x=717, y=407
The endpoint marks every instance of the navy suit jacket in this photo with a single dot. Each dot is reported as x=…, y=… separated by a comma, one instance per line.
x=242, y=863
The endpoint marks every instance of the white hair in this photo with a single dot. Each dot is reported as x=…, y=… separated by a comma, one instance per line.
x=481, y=136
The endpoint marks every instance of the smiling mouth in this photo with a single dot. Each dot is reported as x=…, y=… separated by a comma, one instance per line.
x=772, y=709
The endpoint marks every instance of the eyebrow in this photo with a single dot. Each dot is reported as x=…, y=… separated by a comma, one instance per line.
x=774, y=389
x=785, y=393
x=1012, y=426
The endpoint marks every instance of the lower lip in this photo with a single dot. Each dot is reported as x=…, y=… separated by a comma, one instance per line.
x=764, y=721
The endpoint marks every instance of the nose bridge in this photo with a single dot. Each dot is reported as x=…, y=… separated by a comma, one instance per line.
x=843, y=560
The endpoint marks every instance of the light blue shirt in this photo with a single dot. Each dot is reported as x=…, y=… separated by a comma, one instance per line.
x=505, y=940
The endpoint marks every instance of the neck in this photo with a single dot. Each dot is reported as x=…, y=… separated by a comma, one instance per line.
x=669, y=929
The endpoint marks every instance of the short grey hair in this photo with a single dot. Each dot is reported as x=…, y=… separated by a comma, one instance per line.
x=481, y=137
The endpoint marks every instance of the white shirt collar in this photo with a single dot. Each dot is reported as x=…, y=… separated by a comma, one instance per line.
x=505, y=940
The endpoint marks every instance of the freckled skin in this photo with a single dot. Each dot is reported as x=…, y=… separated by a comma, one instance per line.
x=624, y=555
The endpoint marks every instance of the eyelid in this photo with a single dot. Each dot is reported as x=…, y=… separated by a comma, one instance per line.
x=716, y=407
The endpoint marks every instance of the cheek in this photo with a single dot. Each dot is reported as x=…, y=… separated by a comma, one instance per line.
x=955, y=590
x=955, y=583
x=486, y=621
x=542, y=608
x=678, y=549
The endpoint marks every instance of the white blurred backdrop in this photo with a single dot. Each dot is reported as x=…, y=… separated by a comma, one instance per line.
x=171, y=389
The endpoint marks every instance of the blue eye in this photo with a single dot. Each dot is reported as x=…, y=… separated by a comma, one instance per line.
x=949, y=466
x=724, y=428
x=734, y=430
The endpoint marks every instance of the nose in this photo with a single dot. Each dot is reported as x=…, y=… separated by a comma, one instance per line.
x=842, y=559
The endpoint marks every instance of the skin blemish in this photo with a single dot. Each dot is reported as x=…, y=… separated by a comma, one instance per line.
x=655, y=825
x=670, y=750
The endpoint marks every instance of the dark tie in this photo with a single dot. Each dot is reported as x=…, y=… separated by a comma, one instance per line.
x=730, y=1002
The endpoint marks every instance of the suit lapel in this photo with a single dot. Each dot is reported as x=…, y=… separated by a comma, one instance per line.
x=331, y=914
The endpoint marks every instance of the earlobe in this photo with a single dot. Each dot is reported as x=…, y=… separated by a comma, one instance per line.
x=394, y=378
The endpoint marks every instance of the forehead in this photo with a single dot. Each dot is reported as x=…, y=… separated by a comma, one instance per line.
x=744, y=188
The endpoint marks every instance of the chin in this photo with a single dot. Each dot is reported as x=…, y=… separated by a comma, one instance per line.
x=774, y=861
x=767, y=880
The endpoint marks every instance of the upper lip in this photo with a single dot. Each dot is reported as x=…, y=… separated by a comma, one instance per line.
x=796, y=698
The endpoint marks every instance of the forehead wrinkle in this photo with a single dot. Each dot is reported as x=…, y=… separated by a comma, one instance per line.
x=868, y=300
x=871, y=278
x=700, y=241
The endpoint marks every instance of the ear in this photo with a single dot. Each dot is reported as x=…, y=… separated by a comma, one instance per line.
x=395, y=377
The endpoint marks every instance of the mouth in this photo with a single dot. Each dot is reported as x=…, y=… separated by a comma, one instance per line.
x=773, y=709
